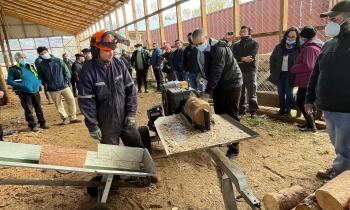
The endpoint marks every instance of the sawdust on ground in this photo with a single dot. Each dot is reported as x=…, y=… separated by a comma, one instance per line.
x=281, y=157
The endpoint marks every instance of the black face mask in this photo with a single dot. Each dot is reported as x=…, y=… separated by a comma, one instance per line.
x=245, y=37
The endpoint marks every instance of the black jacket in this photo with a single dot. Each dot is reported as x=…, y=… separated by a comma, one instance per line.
x=276, y=60
x=221, y=68
x=243, y=48
x=167, y=60
x=177, y=60
x=76, y=68
x=190, y=62
x=145, y=57
x=127, y=61
x=329, y=85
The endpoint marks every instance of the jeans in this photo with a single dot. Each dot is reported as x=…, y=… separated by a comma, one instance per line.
x=158, y=74
x=249, y=89
x=141, y=77
x=193, y=80
x=338, y=129
x=285, y=92
x=181, y=75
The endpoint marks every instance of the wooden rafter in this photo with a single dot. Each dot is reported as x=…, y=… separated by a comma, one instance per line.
x=148, y=32
x=161, y=23
x=136, y=29
x=39, y=21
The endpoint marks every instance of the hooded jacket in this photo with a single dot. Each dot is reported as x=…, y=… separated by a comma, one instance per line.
x=305, y=62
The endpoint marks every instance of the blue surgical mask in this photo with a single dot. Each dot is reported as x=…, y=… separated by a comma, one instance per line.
x=22, y=61
x=290, y=42
x=202, y=47
x=46, y=56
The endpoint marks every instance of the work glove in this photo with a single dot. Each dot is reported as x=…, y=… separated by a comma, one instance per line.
x=130, y=122
x=97, y=134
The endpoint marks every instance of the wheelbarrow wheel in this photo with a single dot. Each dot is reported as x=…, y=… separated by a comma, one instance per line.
x=99, y=206
x=145, y=137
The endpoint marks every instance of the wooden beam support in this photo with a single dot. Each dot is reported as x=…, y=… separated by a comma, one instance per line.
x=179, y=22
x=204, y=20
x=110, y=21
x=127, y=36
x=283, y=17
x=6, y=36
x=104, y=23
x=136, y=29
x=117, y=20
x=148, y=31
x=236, y=17
x=161, y=23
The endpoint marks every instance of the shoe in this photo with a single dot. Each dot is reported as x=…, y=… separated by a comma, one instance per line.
x=253, y=115
x=302, y=125
x=65, y=121
x=146, y=91
x=233, y=151
x=242, y=112
x=325, y=174
x=75, y=121
x=35, y=129
x=307, y=129
x=139, y=91
x=44, y=126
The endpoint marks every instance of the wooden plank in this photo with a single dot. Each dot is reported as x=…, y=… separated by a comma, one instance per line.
x=126, y=28
x=16, y=152
x=4, y=30
x=94, y=162
x=60, y=156
x=148, y=32
x=115, y=152
x=179, y=22
x=204, y=20
x=161, y=23
x=236, y=18
x=283, y=16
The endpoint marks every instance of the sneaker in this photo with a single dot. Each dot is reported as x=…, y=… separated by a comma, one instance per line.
x=146, y=91
x=34, y=129
x=233, y=151
x=75, y=121
x=65, y=121
x=44, y=126
x=307, y=129
x=325, y=174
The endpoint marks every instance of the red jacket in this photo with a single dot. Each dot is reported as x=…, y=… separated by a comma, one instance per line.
x=305, y=62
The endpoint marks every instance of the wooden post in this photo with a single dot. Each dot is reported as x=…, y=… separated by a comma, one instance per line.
x=161, y=23
x=100, y=24
x=5, y=100
x=126, y=28
x=236, y=18
x=117, y=20
x=104, y=23
x=6, y=37
x=136, y=30
x=148, y=32
x=110, y=21
x=179, y=22
x=204, y=20
x=283, y=16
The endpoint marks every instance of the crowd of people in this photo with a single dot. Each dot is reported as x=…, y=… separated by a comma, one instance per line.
x=222, y=70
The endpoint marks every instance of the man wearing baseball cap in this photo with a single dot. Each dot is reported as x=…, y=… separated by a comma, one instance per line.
x=107, y=95
x=329, y=86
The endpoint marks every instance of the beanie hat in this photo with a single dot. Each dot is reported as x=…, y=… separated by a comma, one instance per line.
x=308, y=32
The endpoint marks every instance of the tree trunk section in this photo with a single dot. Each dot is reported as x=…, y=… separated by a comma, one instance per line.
x=286, y=199
x=335, y=194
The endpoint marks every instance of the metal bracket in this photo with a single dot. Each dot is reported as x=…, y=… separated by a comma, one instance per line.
x=229, y=173
x=108, y=180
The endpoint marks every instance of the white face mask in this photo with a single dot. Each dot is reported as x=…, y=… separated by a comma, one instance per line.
x=333, y=29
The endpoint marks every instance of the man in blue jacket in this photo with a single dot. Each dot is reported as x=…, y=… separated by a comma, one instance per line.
x=107, y=94
x=23, y=78
x=55, y=75
x=156, y=65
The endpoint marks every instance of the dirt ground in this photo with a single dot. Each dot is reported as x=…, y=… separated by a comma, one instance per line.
x=279, y=158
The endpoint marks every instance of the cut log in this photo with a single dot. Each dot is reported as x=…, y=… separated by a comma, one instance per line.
x=286, y=199
x=59, y=156
x=194, y=108
x=309, y=203
x=335, y=194
x=349, y=204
